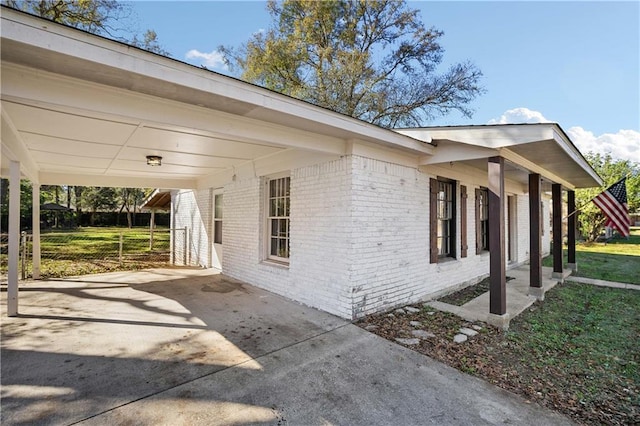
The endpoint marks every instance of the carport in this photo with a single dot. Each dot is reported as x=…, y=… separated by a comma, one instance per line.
x=78, y=109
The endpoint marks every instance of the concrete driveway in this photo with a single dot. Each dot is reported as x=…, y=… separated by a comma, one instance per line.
x=195, y=348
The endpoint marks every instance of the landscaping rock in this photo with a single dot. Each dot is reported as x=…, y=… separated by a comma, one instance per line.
x=407, y=341
x=371, y=327
x=415, y=323
x=391, y=316
x=476, y=327
x=422, y=334
x=468, y=331
x=400, y=311
x=459, y=338
x=411, y=310
x=431, y=313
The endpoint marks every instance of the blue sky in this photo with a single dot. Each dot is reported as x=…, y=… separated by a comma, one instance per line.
x=575, y=63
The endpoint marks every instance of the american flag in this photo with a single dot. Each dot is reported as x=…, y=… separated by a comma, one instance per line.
x=613, y=203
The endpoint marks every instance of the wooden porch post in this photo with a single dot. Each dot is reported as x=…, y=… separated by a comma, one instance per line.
x=556, y=193
x=497, y=268
x=571, y=230
x=535, y=238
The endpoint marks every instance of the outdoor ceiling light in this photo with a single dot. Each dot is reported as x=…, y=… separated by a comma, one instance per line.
x=154, y=160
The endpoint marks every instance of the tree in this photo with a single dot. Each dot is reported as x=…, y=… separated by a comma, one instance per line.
x=373, y=60
x=591, y=218
x=150, y=42
x=99, y=198
x=129, y=199
x=103, y=17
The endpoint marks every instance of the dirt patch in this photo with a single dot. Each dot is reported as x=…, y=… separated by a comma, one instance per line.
x=467, y=294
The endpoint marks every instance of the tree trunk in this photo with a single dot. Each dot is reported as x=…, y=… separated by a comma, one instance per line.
x=78, y=191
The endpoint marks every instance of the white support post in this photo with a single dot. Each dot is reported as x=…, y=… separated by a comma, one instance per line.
x=14, y=238
x=120, y=248
x=35, y=235
x=152, y=225
x=186, y=246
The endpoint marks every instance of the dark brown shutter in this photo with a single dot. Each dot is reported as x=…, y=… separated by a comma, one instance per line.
x=433, y=221
x=478, y=224
x=463, y=221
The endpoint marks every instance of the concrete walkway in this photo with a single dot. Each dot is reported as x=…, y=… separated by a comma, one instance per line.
x=603, y=283
x=518, y=298
x=185, y=347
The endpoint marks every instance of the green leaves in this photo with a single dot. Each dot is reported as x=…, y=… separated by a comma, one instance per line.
x=373, y=60
x=591, y=219
x=104, y=17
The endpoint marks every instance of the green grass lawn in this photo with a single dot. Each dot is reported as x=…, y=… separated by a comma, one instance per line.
x=617, y=260
x=92, y=250
x=100, y=243
x=579, y=350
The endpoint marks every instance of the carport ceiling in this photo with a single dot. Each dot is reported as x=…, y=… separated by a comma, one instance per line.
x=74, y=130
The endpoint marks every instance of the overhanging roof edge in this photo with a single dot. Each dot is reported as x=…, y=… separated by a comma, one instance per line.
x=159, y=68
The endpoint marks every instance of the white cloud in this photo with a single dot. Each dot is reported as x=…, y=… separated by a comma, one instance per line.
x=623, y=145
x=519, y=115
x=212, y=59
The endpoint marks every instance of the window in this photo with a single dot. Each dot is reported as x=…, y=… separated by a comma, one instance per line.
x=278, y=202
x=217, y=219
x=446, y=219
x=442, y=222
x=482, y=220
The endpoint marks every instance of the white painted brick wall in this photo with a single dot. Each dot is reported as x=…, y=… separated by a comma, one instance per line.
x=192, y=209
x=522, y=202
x=318, y=274
x=391, y=239
x=546, y=224
x=359, y=236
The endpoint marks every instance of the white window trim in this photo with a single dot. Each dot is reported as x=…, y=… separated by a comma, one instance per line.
x=217, y=219
x=266, y=249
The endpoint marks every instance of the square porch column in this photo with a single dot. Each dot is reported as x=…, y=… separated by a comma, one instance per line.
x=572, y=220
x=535, y=238
x=556, y=194
x=497, y=264
x=35, y=233
x=14, y=238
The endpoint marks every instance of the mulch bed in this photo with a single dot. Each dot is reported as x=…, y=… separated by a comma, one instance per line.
x=467, y=294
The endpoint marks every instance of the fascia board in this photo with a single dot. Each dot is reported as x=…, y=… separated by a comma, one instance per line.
x=570, y=149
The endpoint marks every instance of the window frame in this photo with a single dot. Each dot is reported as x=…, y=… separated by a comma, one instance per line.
x=218, y=217
x=284, y=194
x=446, y=208
x=482, y=220
x=435, y=224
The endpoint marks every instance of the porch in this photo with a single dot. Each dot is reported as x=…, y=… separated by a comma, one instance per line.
x=518, y=297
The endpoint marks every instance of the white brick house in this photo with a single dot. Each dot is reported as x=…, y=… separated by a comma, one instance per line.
x=359, y=226
x=325, y=209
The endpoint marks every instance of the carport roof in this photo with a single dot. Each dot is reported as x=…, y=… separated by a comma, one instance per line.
x=81, y=109
x=542, y=148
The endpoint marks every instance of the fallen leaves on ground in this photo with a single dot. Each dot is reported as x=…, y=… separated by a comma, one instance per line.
x=497, y=358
